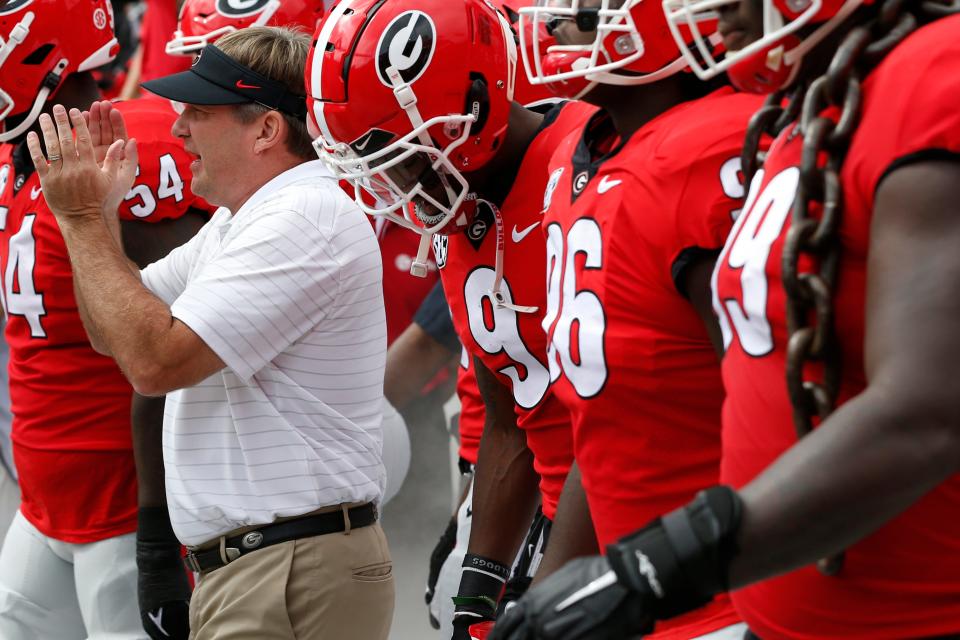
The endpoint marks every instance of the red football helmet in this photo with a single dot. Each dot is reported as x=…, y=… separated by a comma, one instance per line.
x=524, y=92
x=768, y=63
x=41, y=43
x=202, y=22
x=632, y=45
x=403, y=97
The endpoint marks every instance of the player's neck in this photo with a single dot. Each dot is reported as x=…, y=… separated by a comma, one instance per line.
x=816, y=61
x=78, y=91
x=489, y=182
x=629, y=108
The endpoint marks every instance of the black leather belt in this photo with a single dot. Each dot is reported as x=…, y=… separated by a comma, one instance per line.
x=270, y=534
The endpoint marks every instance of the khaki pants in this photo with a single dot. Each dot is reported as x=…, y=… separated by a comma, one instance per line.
x=327, y=587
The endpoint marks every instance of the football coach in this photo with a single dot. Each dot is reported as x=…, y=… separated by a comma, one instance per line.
x=267, y=333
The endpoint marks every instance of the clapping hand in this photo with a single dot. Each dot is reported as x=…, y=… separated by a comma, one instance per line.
x=75, y=184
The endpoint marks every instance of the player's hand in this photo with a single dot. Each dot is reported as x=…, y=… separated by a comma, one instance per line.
x=169, y=621
x=74, y=184
x=582, y=601
x=464, y=620
x=481, y=585
x=163, y=592
x=437, y=557
x=481, y=630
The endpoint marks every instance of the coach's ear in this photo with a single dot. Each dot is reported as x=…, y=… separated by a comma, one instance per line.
x=273, y=132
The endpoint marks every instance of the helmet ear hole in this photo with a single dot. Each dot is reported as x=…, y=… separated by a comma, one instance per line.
x=38, y=55
x=478, y=102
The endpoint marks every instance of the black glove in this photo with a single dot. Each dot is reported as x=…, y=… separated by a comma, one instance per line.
x=581, y=601
x=480, y=587
x=674, y=565
x=514, y=589
x=163, y=591
x=467, y=614
x=531, y=556
x=437, y=557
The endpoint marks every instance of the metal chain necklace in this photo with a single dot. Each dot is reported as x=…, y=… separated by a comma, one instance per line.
x=818, y=205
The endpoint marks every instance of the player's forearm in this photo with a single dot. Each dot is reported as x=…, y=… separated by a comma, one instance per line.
x=505, y=485
x=871, y=460
x=572, y=534
x=146, y=417
x=412, y=360
x=119, y=311
x=505, y=495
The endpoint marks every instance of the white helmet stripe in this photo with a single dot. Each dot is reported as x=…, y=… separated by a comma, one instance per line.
x=316, y=72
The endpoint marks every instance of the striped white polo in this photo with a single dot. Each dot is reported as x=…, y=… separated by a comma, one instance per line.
x=288, y=293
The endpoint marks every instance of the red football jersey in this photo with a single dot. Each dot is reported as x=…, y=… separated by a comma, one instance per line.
x=402, y=292
x=904, y=580
x=71, y=426
x=472, y=410
x=629, y=355
x=510, y=343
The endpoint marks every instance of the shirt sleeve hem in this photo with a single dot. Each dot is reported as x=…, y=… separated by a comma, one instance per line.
x=199, y=325
x=932, y=154
x=683, y=261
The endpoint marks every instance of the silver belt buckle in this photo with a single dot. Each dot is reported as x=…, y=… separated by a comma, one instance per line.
x=191, y=561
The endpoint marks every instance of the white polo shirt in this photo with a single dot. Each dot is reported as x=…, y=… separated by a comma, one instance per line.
x=288, y=293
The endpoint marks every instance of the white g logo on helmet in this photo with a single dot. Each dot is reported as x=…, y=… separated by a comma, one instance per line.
x=13, y=5
x=240, y=8
x=407, y=45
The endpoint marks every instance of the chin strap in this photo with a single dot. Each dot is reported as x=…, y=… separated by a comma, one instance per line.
x=407, y=100
x=419, y=266
x=50, y=83
x=17, y=35
x=498, y=297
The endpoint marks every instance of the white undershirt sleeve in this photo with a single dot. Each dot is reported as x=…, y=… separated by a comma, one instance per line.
x=167, y=278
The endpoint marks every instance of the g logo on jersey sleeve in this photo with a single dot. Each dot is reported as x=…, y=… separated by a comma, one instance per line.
x=13, y=5
x=240, y=8
x=407, y=44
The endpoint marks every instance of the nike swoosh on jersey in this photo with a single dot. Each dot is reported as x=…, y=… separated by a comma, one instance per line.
x=520, y=235
x=35, y=192
x=606, y=184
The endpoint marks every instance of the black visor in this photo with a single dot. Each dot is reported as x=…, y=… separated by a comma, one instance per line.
x=216, y=78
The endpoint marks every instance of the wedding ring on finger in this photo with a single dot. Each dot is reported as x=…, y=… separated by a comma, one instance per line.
x=54, y=158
